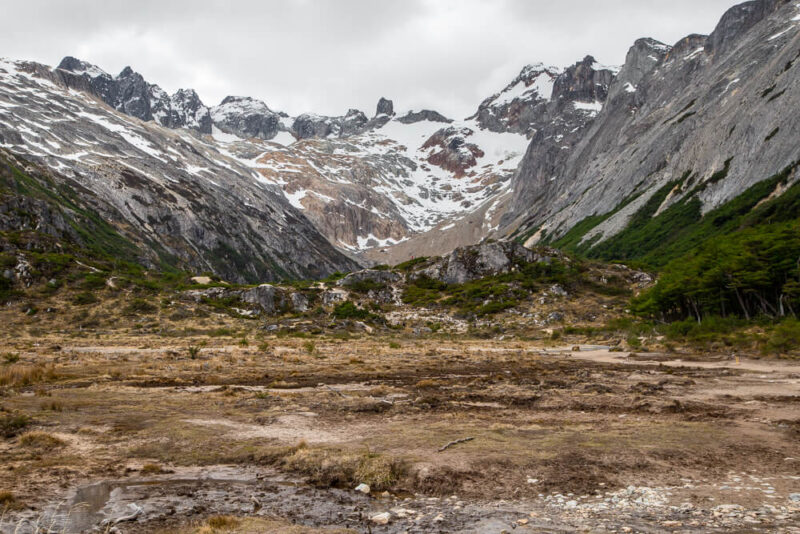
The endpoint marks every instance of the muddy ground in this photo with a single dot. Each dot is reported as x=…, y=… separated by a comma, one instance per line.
x=141, y=434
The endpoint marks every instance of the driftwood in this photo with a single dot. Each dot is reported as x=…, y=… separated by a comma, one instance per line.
x=455, y=442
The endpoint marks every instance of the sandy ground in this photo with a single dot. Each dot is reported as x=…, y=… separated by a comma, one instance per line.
x=555, y=440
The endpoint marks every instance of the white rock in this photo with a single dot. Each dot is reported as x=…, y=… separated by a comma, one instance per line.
x=363, y=488
x=381, y=519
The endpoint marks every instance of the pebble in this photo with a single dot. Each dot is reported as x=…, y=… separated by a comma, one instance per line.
x=363, y=488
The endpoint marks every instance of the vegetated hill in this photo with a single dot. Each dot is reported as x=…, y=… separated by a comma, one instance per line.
x=684, y=128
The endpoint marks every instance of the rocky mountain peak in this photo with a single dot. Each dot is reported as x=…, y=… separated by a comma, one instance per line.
x=385, y=107
x=77, y=66
x=738, y=20
x=425, y=115
x=584, y=81
x=642, y=58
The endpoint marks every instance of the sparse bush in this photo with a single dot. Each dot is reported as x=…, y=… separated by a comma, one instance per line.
x=13, y=424
x=22, y=376
x=152, y=469
x=223, y=522
x=394, y=345
x=345, y=469
x=194, y=352
x=7, y=500
x=84, y=298
x=10, y=357
x=785, y=338
x=139, y=307
x=310, y=347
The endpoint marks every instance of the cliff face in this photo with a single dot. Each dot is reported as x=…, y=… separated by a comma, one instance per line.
x=726, y=102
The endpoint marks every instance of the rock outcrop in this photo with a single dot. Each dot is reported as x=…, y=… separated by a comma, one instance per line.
x=486, y=259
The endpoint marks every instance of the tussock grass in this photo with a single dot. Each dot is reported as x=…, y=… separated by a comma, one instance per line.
x=329, y=467
x=41, y=441
x=25, y=375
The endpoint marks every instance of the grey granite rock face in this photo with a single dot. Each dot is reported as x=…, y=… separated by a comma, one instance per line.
x=131, y=94
x=247, y=118
x=165, y=190
x=671, y=111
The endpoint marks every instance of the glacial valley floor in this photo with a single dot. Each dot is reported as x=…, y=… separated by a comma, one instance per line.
x=142, y=433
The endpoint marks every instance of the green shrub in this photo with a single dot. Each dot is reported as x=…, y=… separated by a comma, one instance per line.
x=348, y=310
x=785, y=338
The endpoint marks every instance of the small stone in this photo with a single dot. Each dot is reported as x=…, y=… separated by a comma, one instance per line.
x=381, y=519
x=438, y=519
x=363, y=488
x=533, y=480
x=522, y=521
x=794, y=497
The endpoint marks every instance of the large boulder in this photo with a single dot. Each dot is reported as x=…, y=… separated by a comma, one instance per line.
x=490, y=258
x=267, y=297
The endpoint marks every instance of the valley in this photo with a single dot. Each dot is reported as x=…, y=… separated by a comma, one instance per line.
x=574, y=310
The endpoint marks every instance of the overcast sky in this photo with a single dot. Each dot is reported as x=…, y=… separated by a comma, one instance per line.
x=330, y=55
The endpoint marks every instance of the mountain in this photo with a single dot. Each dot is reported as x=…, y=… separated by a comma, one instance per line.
x=686, y=126
x=579, y=157
x=363, y=182
x=176, y=196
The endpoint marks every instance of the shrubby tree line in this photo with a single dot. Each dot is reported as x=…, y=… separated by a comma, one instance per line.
x=754, y=271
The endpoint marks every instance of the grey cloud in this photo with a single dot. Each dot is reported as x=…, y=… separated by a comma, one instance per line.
x=330, y=55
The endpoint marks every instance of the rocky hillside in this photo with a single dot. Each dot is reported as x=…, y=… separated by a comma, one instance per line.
x=180, y=199
x=363, y=182
x=698, y=122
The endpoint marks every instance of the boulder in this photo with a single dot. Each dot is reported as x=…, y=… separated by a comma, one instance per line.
x=299, y=302
x=267, y=297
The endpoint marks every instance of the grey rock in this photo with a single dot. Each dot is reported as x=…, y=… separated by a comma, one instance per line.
x=131, y=94
x=146, y=184
x=379, y=277
x=385, y=107
x=490, y=258
x=247, y=118
x=268, y=298
x=425, y=115
x=671, y=111
x=334, y=296
x=299, y=302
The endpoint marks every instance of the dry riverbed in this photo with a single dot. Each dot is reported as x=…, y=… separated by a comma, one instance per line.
x=140, y=434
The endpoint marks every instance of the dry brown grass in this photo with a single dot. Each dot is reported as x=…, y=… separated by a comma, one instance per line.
x=41, y=441
x=329, y=467
x=235, y=525
x=25, y=375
